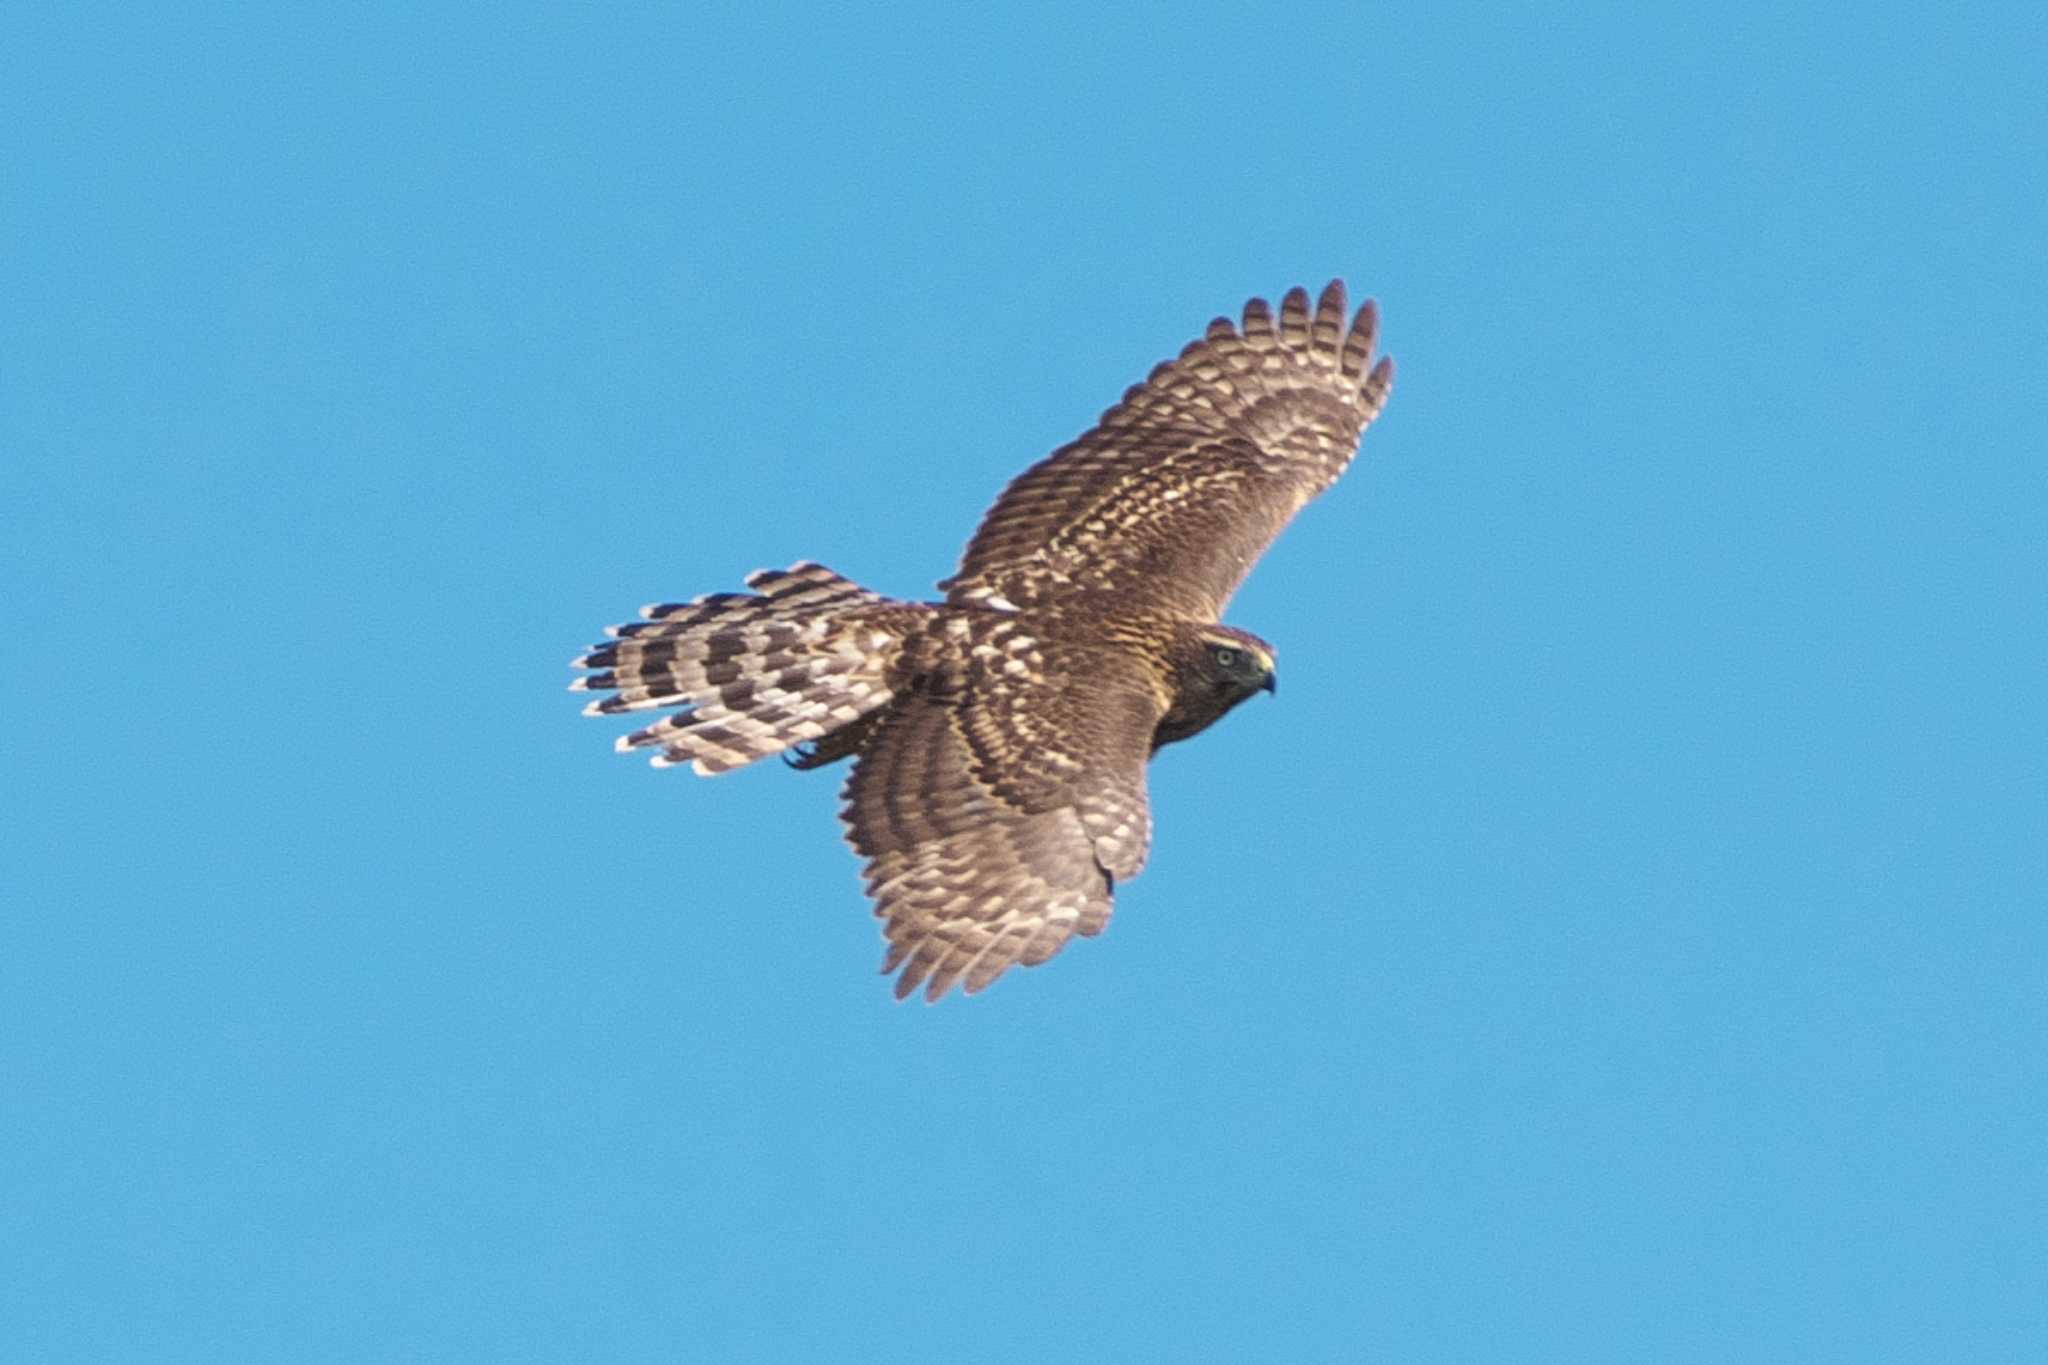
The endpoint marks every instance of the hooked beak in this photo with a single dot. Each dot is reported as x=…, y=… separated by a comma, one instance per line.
x=1271, y=684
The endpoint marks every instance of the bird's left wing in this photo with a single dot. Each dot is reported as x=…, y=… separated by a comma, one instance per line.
x=997, y=819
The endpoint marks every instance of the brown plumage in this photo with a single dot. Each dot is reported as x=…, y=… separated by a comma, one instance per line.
x=1001, y=735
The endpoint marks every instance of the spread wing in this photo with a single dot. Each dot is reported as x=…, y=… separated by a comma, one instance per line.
x=1179, y=489
x=997, y=820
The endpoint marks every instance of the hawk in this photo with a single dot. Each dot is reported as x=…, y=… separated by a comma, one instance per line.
x=1000, y=735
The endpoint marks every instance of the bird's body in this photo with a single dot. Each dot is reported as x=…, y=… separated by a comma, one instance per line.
x=1000, y=736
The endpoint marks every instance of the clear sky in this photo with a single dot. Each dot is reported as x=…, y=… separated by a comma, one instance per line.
x=1621, y=939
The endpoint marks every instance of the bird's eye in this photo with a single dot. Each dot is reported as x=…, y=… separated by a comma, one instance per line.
x=1226, y=657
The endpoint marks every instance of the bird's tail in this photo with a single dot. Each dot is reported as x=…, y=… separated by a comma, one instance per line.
x=806, y=654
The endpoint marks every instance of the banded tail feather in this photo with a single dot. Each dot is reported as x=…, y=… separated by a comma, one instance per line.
x=804, y=655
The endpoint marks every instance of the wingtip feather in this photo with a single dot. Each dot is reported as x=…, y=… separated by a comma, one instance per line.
x=1258, y=318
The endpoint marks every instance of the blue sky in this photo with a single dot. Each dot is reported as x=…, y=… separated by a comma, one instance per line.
x=1621, y=939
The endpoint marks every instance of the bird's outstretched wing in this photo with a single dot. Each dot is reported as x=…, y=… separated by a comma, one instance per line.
x=996, y=820
x=1179, y=489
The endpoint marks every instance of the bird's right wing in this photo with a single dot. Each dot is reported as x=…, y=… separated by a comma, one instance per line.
x=1170, y=499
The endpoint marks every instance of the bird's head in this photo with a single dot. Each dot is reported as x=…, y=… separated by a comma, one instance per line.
x=1235, y=663
x=1214, y=668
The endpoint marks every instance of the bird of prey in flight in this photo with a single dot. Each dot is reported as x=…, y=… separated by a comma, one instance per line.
x=1000, y=735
